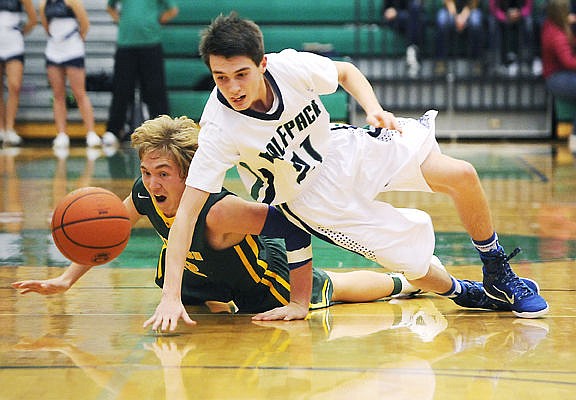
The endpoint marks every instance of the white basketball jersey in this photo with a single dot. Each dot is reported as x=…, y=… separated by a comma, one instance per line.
x=277, y=154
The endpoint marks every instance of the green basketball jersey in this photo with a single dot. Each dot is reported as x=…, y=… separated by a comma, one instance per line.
x=254, y=273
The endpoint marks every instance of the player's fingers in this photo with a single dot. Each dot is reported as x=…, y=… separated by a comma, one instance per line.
x=166, y=323
x=276, y=316
x=33, y=285
x=187, y=320
x=291, y=317
x=386, y=120
x=149, y=321
x=23, y=284
x=389, y=121
x=261, y=316
x=173, y=323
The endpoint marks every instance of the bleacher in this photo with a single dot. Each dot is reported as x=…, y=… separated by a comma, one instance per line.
x=344, y=29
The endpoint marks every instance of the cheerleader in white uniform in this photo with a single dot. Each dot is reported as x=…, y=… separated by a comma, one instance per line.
x=66, y=23
x=12, y=31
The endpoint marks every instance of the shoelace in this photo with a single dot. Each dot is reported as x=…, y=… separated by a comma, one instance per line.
x=520, y=288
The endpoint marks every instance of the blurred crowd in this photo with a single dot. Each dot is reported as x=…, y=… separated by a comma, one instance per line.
x=496, y=35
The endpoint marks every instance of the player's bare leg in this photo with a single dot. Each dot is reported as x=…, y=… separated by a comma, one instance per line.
x=436, y=280
x=460, y=181
x=365, y=286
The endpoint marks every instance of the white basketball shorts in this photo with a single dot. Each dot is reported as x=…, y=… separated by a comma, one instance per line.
x=339, y=206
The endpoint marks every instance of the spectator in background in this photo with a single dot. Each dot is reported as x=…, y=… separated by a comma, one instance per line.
x=406, y=17
x=511, y=27
x=139, y=58
x=559, y=56
x=572, y=16
x=12, y=31
x=538, y=16
x=66, y=23
x=459, y=17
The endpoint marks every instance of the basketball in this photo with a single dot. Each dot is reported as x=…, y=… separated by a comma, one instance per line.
x=90, y=226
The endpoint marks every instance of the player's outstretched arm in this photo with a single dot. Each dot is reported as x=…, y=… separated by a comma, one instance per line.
x=171, y=309
x=71, y=275
x=356, y=84
x=56, y=285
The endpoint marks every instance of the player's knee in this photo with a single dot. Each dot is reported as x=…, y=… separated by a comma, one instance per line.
x=466, y=173
x=413, y=267
x=447, y=175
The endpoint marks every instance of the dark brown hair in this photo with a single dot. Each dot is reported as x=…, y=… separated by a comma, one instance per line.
x=231, y=36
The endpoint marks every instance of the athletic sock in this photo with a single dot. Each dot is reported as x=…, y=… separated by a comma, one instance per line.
x=455, y=290
x=397, y=285
x=402, y=287
x=489, y=248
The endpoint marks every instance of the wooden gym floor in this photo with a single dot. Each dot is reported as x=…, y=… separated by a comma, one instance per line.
x=89, y=343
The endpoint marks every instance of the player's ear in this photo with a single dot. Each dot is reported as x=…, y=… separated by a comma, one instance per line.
x=263, y=64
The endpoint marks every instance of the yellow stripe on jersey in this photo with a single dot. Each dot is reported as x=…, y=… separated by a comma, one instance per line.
x=252, y=243
x=277, y=278
x=159, y=267
x=254, y=247
x=324, y=302
x=275, y=292
x=246, y=263
x=167, y=220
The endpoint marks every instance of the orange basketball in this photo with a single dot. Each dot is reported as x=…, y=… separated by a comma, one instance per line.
x=91, y=226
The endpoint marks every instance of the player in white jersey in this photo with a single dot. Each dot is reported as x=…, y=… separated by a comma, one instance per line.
x=265, y=117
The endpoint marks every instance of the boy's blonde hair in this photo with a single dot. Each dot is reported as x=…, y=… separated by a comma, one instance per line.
x=175, y=137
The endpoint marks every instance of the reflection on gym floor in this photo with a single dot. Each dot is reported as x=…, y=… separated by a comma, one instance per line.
x=89, y=343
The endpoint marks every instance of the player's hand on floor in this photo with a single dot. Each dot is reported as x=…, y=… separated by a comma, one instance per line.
x=290, y=312
x=45, y=287
x=167, y=314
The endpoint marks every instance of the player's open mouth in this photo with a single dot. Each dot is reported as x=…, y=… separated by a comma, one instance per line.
x=160, y=199
x=238, y=99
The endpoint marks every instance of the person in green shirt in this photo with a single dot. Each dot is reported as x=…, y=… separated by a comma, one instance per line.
x=139, y=58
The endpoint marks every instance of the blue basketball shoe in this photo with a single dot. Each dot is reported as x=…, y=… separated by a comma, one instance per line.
x=474, y=296
x=501, y=283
